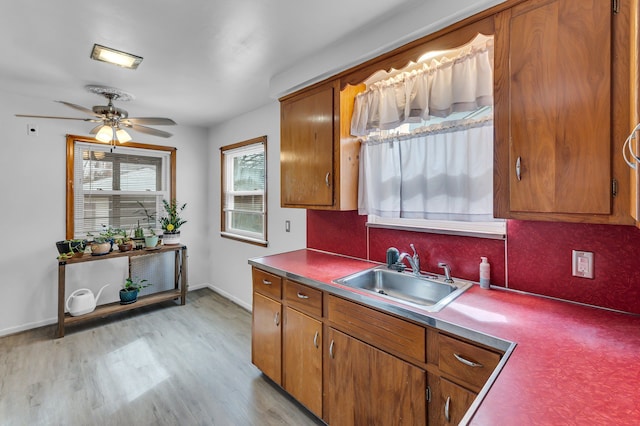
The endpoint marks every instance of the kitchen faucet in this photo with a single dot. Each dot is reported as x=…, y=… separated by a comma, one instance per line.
x=414, y=261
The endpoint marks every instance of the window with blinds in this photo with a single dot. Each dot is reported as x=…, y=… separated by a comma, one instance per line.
x=244, y=213
x=121, y=188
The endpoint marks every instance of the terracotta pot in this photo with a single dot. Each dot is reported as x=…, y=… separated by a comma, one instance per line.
x=125, y=246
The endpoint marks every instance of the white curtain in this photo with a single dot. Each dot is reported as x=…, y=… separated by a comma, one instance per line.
x=443, y=174
x=436, y=89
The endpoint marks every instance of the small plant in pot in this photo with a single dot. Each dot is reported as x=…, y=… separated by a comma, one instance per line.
x=123, y=240
x=171, y=221
x=71, y=248
x=130, y=289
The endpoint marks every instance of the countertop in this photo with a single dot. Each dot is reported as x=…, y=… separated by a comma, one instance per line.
x=572, y=364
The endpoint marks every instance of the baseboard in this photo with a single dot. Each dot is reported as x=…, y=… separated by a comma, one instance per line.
x=28, y=326
x=226, y=295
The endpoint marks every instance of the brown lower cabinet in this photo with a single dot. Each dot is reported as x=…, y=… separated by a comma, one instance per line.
x=351, y=364
x=448, y=401
x=370, y=387
x=302, y=359
x=266, y=337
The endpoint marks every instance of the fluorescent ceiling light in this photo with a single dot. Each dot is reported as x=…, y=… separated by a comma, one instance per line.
x=116, y=57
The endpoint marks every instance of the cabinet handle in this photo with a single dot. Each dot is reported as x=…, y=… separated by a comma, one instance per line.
x=518, y=175
x=326, y=180
x=315, y=339
x=276, y=319
x=266, y=282
x=446, y=409
x=331, y=349
x=302, y=296
x=467, y=362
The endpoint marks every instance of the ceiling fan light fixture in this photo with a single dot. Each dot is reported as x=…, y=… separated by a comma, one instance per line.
x=116, y=57
x=105, y=134
x=122, y=136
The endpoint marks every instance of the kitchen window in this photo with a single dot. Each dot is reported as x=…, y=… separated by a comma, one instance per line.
x=244, y=211
x=120, y=187
x=426, y=158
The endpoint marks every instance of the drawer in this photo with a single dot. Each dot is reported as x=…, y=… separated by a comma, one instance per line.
x=267, y=284
x=378, y=329
x=303, y=297
x=465, y=361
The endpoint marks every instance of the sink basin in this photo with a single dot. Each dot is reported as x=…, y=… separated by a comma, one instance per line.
x=427, y=292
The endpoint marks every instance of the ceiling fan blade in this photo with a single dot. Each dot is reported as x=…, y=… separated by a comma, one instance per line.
x=58, y=118
x=153, y=121
x=148, y=130
x=80, y=108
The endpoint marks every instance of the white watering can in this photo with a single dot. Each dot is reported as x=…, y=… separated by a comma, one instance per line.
x=82, y=301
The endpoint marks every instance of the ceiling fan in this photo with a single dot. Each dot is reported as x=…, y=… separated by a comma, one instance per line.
x=112, y=119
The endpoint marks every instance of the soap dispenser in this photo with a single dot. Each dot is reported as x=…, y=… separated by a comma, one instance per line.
x=485, y=273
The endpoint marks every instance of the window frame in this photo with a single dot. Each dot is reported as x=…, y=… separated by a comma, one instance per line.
x=224, y=232
x=70, y=145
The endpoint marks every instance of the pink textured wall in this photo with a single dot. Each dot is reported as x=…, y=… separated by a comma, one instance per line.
x=538, y=255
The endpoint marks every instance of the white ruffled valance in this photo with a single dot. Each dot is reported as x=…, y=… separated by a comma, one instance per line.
x=437, y=88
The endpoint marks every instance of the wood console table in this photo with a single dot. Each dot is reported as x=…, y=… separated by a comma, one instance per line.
x=179, y=291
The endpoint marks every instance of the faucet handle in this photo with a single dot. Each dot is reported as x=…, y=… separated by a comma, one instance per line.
x=415, y=253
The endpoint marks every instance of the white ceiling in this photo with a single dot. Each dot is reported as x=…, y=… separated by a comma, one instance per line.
x=204, y=60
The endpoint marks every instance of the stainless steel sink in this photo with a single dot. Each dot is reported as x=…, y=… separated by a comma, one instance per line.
x=429, y=292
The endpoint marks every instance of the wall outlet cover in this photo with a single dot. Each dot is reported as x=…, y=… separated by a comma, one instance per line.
x=582, y=264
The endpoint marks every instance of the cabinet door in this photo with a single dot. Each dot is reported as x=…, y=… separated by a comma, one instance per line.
x=370, y=387
x=452, y=402
x=302, y=359
x=266, y=336
x=553, y=107
x=306, y=148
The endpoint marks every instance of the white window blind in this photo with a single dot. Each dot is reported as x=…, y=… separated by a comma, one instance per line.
x=120, y=189
x=244, y=193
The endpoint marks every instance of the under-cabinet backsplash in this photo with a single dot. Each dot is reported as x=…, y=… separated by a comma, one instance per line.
x=536, y=256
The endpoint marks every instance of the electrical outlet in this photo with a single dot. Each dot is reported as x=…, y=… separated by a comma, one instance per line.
x=32, y=130
x=287, y=226
x=582, y=264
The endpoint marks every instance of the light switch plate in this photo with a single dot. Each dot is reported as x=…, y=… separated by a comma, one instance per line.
x=582, y=264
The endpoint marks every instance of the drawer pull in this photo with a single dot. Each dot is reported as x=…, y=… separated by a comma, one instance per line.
x=467, y=362
x=331, y=354
x=276, y=319
x=266, y=282
x=315, y=339
x=302, y=296
x=446, y=409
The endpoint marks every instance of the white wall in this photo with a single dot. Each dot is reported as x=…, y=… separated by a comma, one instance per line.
x=229, y=269
x=32, y=211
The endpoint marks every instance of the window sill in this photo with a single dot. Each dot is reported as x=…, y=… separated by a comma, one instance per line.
x=244, y=239
x=489, y=230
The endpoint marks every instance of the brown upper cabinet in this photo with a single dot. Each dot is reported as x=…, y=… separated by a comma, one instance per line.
x=562, y=97
x=318, y=157
x=561, y=75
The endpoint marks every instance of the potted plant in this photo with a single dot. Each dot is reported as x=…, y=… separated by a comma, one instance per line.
x=171, y=221
x=150, y=240
x=103, y=243
x=130, y=289
x=71, y=248
x=124, y=242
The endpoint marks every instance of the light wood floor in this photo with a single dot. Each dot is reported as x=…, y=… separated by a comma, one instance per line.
x=165, y=365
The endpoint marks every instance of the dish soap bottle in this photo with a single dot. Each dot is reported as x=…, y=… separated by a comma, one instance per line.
x=485, y=272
